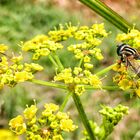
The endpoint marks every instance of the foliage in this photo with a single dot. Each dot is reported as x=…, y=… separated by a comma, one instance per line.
x=75, y=80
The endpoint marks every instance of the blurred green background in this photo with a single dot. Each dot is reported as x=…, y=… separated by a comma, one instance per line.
x=20, y=20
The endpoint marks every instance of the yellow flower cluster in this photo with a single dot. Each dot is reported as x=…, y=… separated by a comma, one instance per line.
x=110, y=118
x=132, y=38
x=49, y=126
x=78, y=77
x=13, y=70
x=126, y=79
x=63, y=33
x=114, y=115
x=92, y=38
x=43, y=45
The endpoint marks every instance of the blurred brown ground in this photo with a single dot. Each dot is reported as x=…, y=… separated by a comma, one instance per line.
x=123, y=7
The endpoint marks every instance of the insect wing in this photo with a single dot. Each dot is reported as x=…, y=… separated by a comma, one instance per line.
x=134, y=65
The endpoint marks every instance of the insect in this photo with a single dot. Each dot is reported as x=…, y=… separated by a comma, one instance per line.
x=130, y=57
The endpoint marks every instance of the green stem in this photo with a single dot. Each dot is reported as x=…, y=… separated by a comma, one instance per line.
x=65, y=101
x=80, y=63
x=58, y=62
x=107, y=13
x=53, y=61
x=83, y=116
x=49, y=84
x=109, y=88
x=62, y=86
x=105, y=70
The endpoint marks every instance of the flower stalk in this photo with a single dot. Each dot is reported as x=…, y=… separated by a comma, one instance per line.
x=58, y=61
x=68, y=96
x=105, y=70
x=83, y=116
x=49, y=84
x=53, y=61
x=107, y=13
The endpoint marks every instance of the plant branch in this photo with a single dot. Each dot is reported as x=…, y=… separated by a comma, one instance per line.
x=65, y=101
x=107, y=13
x=80, y=62
x=62, y=86
x=49, y=84
x=53, y=61
x=83, y=116
x=61, y=67
x=105, y=70
x=109, y=88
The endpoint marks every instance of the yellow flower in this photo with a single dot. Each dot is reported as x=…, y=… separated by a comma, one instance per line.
x=17, y=59
x=87, y=73
x=132, y=38
x=34, y=43
x=51, y=107
x=99, y=29
x=125, y=84
x=30, y=112
x=79, y=89
x=65, y=75
x=120, y=68
x=4, y=62
x=88, y=65
x=62, y=115
x=138, y=91
x=87, y=59
x=3, y=48
x=17, y=125
x=77, y=70
x=77, y=80
x=67, y=125
x=6, y=134
x=57, y=137
x=95, y=81
x=44, y=52
x=98, y=54
x=22, y=76
x=54, y=124
x=33, y=67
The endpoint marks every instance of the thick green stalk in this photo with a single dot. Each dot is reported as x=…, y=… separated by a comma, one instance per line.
x=49, y=84
x=83, y=116
x=105, y=70
x=107, y=13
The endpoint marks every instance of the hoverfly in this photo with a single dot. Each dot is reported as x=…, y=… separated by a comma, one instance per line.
x=129, y=56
